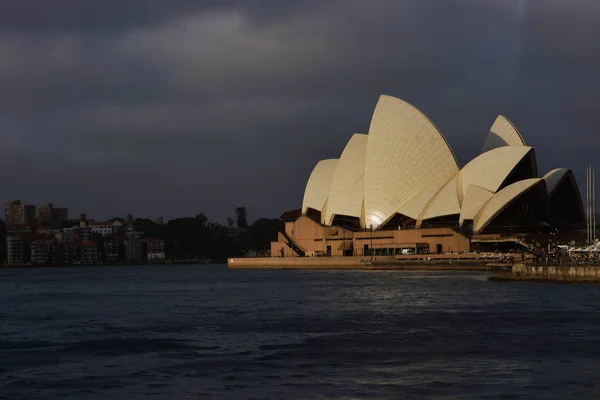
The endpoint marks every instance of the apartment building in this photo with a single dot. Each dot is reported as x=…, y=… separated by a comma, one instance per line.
x=89, y=252
x=134, y=246
x=50, y=216
x=103, y=228
x=16, y=213
x=40, y=251
x=155, y=249
x=112, y=250
x=15, y=249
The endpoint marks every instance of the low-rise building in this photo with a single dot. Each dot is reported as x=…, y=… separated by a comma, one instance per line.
x=59, y=254
x=89, y=252
x=103, y=228
x=15, y=250
x=134, y=250
x=40, y=251
x=74, y=236
x=155, y=249
x=112, y=250
x=66, y=237
x=117, y=225
x=134, y=247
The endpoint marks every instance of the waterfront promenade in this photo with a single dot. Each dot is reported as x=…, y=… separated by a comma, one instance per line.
x=506, y=267
x=464, y=262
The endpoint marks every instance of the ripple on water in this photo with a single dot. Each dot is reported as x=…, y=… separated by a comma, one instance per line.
x=181, y=332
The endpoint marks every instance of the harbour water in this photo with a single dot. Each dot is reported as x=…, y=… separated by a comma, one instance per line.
x=177, y=332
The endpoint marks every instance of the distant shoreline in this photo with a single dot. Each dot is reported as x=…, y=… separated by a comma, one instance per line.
x=117, y=264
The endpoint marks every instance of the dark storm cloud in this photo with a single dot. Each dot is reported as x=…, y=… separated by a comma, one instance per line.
x=179, y=107
x=114, y=16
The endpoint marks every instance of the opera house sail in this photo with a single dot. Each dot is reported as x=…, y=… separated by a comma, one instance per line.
x=407, y=163
x=400, y=185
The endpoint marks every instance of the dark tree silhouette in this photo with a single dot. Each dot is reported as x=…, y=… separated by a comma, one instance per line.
x=2, y=242
x=241, y=217
x=68, y=223
x=262, y=232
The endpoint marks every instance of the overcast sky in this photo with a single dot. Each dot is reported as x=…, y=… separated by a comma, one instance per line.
x=177, y=107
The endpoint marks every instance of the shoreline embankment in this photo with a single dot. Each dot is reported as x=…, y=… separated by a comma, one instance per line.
x=117, y=264
x=550, y=273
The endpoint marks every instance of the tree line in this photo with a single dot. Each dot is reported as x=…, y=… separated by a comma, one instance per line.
x=196, y=237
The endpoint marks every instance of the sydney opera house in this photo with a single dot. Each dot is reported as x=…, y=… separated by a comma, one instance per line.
x=399, y=190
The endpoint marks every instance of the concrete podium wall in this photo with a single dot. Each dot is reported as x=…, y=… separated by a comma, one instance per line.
x=573, y=273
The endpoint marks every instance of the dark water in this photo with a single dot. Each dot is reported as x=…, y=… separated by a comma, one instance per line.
x=196, y=331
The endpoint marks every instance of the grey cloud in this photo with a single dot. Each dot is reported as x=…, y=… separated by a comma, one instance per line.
x=86, y=15
x=200, y=106
x=116, y=16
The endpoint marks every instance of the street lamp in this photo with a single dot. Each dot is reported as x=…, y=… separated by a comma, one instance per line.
x=371, y=227
x=344, y=243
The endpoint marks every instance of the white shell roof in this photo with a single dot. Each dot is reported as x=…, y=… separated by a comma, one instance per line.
x=490, y=169
x=407, y=162
x=445, y=202
x=346, y=191
x=317, y=188
x=502, y=133
x=405, y=166
x=553, y=177
x=417, y=204
x=501, y=200
x=475, y=199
